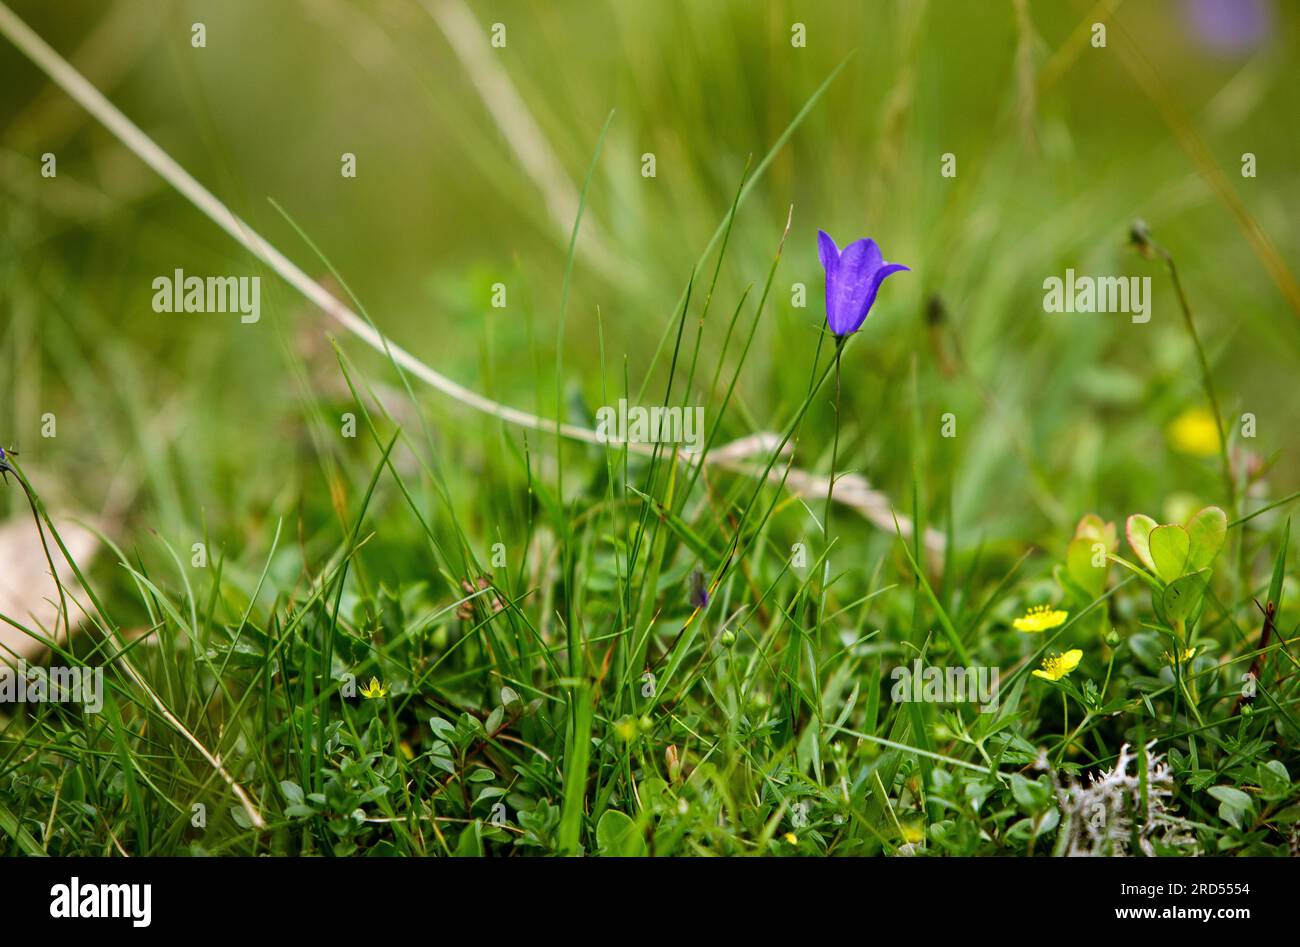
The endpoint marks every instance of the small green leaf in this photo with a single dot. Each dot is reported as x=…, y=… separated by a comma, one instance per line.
x=1032, y=796
x=1138, y=528
x=470, y=844
x=1234, y=805
x=1169, y=546
x=1020, y=788
x=1148, y=648
x=1093, y=528
x=1231, y=795
x=1183, y=596
x=651, y=792
x=1079, y=564
x=1207, y=531
x=1274, y=780
x=616, y=835
x=1288, y=816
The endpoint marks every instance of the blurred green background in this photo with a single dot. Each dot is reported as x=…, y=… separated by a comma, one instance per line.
x=196, y=422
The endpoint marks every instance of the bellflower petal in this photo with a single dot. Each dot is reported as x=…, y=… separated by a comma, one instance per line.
x=827, y=250
x=853, y=277
x=889, y=269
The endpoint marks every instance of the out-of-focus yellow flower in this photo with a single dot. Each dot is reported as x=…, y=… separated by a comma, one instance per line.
x=1040, y=618
x=1056, y=666
x=1183, y=656
x=374, y=689
x=792, y=838
x=1194, y=432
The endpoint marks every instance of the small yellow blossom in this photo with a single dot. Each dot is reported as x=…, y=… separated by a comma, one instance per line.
x=374, y=689
x=1040, y=618
x=1056, y=666
x=1194, y=432
x=1183, y=656
x=792, y=838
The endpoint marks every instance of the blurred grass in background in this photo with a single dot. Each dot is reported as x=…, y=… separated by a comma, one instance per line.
x=209, y=427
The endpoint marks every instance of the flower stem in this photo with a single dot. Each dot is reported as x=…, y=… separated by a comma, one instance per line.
x=1066, y=736
x=835, y=442
x=1142, y=237
x=1206, y=380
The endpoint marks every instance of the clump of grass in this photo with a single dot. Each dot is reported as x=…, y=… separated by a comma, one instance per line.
x=452, y=637
x=574, y=696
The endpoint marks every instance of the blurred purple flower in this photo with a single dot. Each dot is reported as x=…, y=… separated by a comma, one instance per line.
x=853, y=276
x=699, y=596
x=1231, y=26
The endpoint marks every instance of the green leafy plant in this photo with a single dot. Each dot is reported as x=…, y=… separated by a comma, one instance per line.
x=1086, y=569
x=1177, y=562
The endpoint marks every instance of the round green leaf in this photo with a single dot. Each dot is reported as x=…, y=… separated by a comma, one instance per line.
x=1138, y=529
x=1169, y=547
x=1232, y=796
x=1079, y=564
x=1274, y=780
x=1207, y=530
x=1183, y=596
x=616, y=835
x=1234, y=804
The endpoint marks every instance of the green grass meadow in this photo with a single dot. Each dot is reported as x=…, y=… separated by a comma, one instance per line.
x=342, y=612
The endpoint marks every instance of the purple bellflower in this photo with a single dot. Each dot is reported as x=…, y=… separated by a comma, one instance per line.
x=1232, y=26
x=853, y=276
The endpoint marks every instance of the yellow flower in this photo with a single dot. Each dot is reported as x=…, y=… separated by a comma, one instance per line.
x=1194, y=432
x=792, y=838
x=374, y=689
x=1056, y=666
x=1183, y=656
x=1040, y=618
